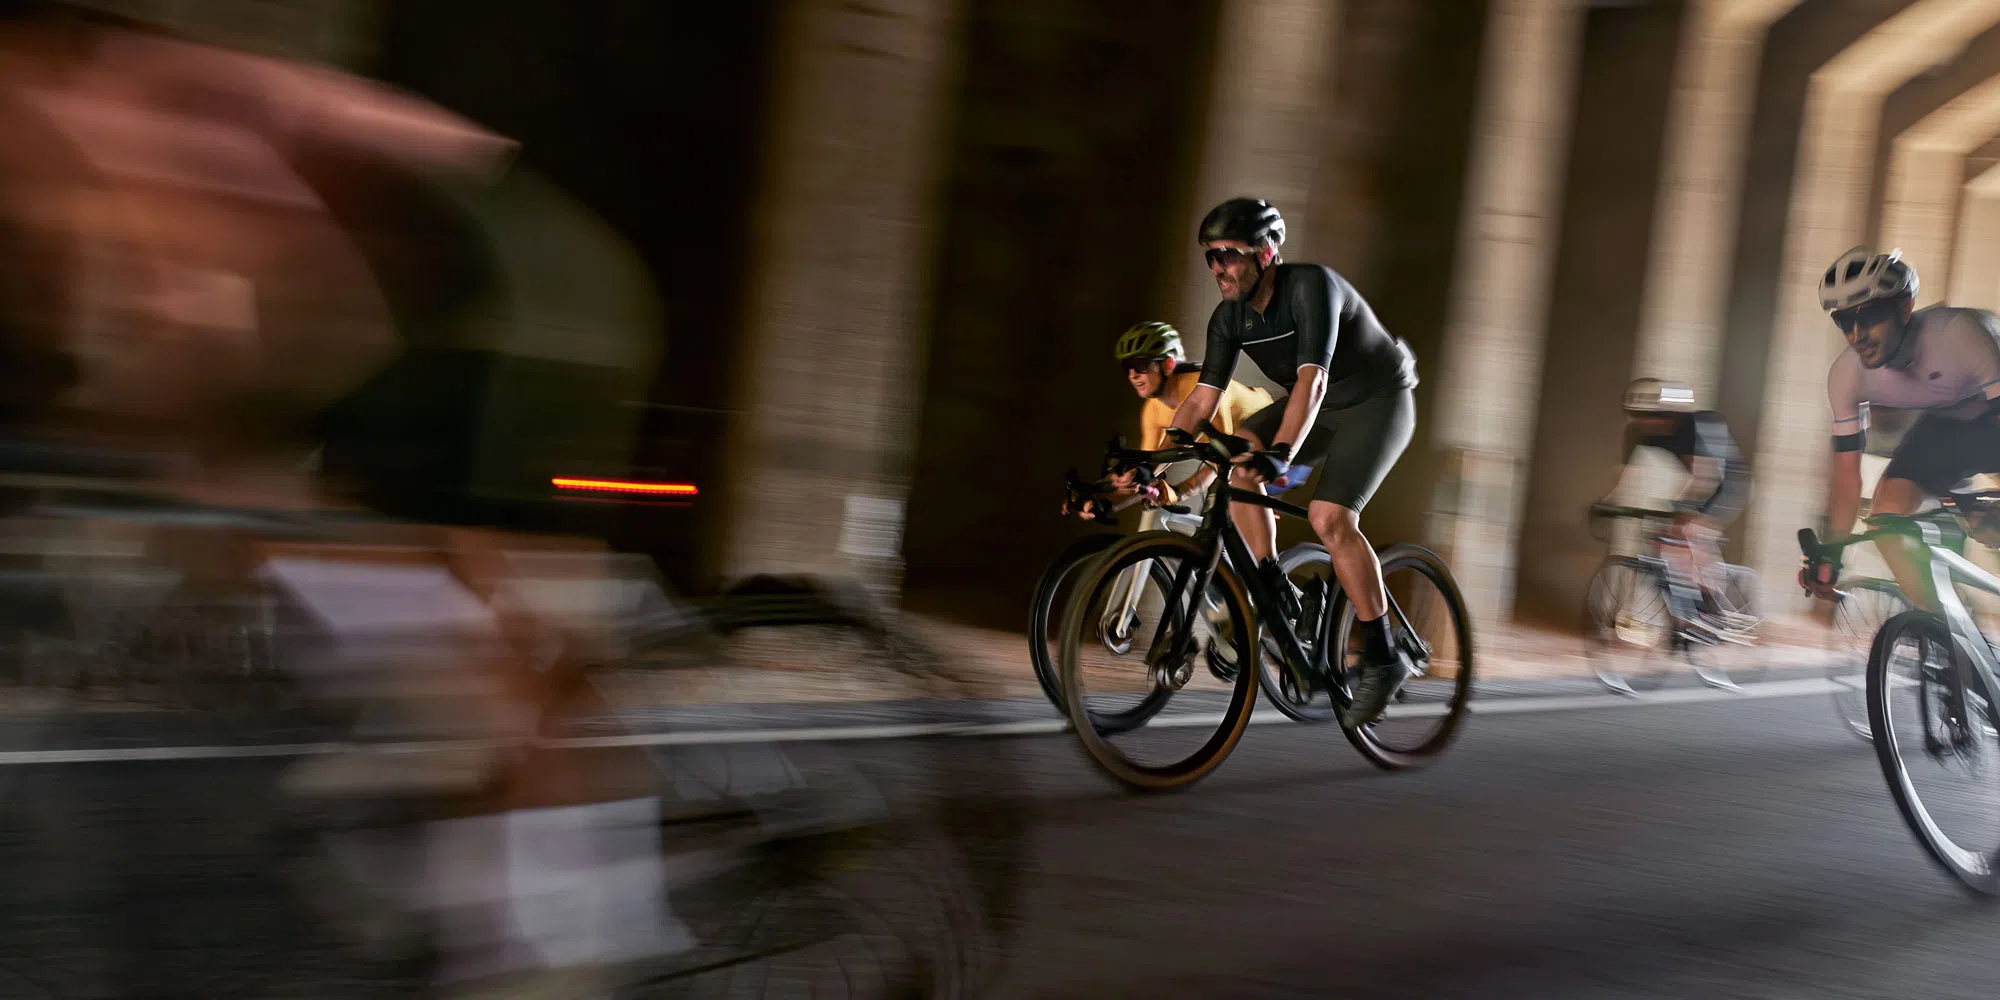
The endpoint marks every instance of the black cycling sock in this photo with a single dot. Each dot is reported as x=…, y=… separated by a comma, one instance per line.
x=1375, y=636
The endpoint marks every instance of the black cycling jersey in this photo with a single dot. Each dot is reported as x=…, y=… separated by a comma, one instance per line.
x=1315, y=318
x=1701, y=434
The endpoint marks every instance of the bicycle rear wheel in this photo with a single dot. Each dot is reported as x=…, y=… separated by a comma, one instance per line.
x=1864, y=605
x=1933, y=720
x=1432, y=626
x=1052, y=595
x=1174, y=750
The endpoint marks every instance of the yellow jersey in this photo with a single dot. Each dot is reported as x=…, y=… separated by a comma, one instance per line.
x=1238, y=402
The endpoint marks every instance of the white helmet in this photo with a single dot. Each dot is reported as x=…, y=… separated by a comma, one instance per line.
x=1652, y=395
x=1862, y=275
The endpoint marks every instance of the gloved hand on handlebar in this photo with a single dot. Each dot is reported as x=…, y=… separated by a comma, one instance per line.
x=1818, y=578
x=1270, y=466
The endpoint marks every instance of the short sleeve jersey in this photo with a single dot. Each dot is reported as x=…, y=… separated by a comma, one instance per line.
x=1954, y=356
x=1315, y=318
x=1239, y=401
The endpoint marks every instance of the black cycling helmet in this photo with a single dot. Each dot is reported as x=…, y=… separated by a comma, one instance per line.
x=1250, y=221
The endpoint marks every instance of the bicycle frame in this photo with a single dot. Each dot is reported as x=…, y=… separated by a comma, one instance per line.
x=1262, y=597
x=1948, y=567
x=1218, y=536
x=1127, y=591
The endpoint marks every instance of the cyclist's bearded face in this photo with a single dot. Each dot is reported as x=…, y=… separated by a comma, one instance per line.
x=1875, y=329
x=1148, y=377
x=1235, y=268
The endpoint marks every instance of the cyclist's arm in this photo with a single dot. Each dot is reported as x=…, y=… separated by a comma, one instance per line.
x=1845, y=490
x=1302, y=407
x=1199, y=405
x=1849, y=434
x=1710, y=465
x=1704, y=480
x=1218, y=363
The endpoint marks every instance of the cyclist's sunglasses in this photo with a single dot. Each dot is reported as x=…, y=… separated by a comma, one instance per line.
x=1867, y=314
x=1140, y=364
x=1225, y=256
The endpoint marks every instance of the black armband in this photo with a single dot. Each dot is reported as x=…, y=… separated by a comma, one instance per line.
x=1849, y=442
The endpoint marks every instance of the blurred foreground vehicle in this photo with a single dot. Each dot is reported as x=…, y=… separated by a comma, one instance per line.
x=292, y=367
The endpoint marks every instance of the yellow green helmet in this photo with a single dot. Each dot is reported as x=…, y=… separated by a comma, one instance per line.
x=1151, y=340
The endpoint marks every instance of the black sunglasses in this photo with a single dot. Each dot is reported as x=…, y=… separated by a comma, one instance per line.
x=1140, y=364
x=1224, y=256
x=1867, y=314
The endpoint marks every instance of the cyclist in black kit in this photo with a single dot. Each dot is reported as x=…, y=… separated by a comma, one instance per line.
x=1348, y=410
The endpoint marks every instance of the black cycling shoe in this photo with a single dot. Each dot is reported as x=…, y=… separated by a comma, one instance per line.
x=1373, y=689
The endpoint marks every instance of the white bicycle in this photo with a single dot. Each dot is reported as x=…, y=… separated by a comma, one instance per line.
x=1931, y=684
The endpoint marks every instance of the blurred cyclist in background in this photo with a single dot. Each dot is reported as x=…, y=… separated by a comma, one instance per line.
x=1661, y=414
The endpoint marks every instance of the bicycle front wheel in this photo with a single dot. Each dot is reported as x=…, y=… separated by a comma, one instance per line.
x=1168, y=636
x=1934, y=726
x=1864, y=606
x=1433, y=628
x=1052, y=595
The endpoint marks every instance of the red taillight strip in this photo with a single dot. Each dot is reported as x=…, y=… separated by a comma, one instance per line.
x=620, y=486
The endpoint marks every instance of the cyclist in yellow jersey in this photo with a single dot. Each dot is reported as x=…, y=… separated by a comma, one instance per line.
x=1157, y=367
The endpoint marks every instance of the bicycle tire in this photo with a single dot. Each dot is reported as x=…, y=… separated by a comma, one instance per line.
x=1043, y=616
x=1977, y=874
x=1607, y=630
x=1856, y=618
x=1368, y=739
x=1158, y=546
x=894, y=863
x=972, y=839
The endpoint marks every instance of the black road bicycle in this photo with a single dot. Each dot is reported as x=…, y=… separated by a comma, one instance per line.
x=1300, y=563
x=1314, y=644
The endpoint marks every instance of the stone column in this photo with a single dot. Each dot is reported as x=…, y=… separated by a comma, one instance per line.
x=1917, y=217
x=1709, y=123
x=1493, y=342
x=1926, y=171
x=1975, y=266
x=828, y=374
x=1273, y=64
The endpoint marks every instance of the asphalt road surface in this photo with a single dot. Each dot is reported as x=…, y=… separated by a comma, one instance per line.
x=1727, y=848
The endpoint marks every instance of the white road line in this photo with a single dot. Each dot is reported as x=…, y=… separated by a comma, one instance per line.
x=1031, y=727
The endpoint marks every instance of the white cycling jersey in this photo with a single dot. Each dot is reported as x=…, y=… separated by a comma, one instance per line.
x=1954, y=355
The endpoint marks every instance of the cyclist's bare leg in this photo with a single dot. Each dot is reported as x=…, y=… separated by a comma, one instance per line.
x=1901, y=496
x=1354, y=561
x=1257, y=525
